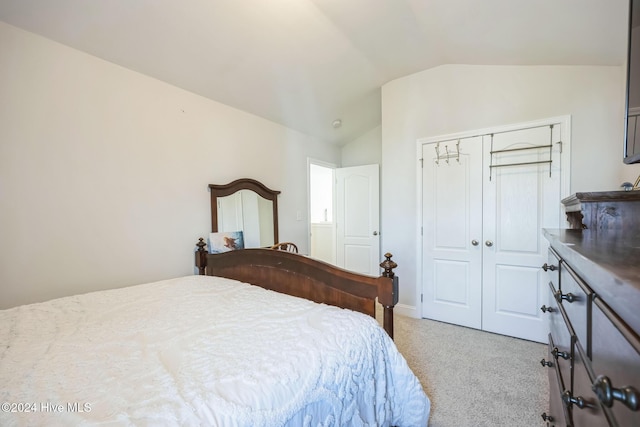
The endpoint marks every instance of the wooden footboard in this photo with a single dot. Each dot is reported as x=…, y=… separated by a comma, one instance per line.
x=305, y=277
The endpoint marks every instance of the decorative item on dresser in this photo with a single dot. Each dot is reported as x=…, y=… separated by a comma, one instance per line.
x=594, y=295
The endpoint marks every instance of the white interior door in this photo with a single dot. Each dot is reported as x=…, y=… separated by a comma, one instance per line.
x=452, y=230
x=358, y=219
x=519, y=201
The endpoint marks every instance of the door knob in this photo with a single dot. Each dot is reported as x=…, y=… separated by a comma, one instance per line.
x=474, y=242
x=488, y=243
x=375, y=233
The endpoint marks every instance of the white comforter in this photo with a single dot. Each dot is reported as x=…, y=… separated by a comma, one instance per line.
x=201, y=351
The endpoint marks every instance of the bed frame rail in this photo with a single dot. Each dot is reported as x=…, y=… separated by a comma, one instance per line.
x=305, y=277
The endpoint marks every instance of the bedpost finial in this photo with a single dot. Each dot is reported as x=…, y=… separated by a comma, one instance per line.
x=201, y=245
x=388, y=265
x=201, y=257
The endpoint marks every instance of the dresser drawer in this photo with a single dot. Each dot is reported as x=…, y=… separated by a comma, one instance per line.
x=558, y=414
x=615, y=363
x=561, y=339
x=575, y=297
x=583, y=403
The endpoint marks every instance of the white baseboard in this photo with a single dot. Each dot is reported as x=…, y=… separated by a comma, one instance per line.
x=407, y=310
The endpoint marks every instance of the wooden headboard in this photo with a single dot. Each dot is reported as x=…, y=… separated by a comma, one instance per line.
x=305, y=277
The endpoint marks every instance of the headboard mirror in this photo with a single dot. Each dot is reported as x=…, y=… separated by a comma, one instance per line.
x=246, y=205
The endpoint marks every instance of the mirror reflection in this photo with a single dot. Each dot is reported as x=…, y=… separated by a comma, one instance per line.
x=250, y=213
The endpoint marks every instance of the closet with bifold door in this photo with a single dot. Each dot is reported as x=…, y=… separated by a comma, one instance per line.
x=485, y=198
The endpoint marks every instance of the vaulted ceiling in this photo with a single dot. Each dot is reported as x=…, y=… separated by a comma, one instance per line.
x=305, y=63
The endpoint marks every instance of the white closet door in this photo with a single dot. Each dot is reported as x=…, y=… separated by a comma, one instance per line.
x=519, y=201
x=482, y=242
x=452, y=232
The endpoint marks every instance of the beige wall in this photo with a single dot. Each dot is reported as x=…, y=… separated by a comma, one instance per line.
x=364, y=150
x=459, y=98
x=104, y=171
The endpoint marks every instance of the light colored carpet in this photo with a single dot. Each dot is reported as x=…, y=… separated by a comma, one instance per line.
x=475, y=378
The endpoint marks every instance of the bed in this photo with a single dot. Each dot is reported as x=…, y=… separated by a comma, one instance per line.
x=214, y=349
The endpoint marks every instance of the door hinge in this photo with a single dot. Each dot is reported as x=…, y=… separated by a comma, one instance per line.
x=421, y=297
x=421, y=163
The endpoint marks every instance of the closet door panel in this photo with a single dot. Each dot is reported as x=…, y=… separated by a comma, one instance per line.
x=516, y=300
x=516, y=211
x=452, y=222
x=447, y=272
x=518, y=196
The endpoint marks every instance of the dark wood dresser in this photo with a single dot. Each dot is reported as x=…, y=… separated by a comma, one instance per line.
x=594, y=312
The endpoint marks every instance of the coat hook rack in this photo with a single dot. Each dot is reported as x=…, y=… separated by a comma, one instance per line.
x=548, y=148
x=448, y=155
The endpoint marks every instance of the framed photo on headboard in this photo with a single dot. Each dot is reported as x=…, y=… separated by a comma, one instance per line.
x=225, y=241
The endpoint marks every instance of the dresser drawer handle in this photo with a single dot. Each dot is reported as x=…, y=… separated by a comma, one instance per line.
x=546, y=267
x=569, y=400
x=557, y=353
x=546, y=363
x=544, y=309
x=568, y=297
x=546, y=417
x=607, y=394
